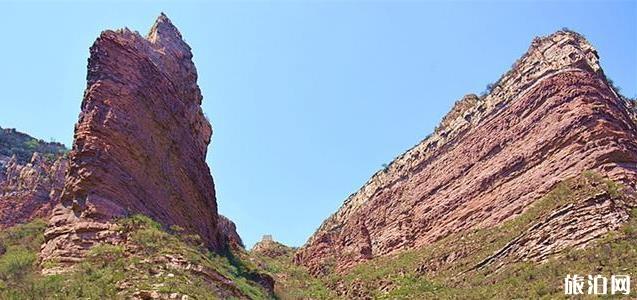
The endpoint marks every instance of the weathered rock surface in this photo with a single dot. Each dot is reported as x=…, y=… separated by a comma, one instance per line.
x=139, y=145
x=569, y=227
x=229, y=232
x=29, y=191
x=552, y=117
x=31, y=176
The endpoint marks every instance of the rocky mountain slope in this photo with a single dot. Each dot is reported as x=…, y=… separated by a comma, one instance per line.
x=23, y=146
x=552, y=117
x=139, y=146
x=136, y=214
x=28, y=186
x=30, y=191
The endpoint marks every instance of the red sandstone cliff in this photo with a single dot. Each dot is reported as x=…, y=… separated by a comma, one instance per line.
x=29, y=191
x=552, y=117
x=139, y=146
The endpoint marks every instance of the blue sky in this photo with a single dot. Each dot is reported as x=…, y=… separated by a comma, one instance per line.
x=307, y=99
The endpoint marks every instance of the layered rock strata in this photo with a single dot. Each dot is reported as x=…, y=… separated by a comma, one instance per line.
x=552, y=117
x=139, y=145
x=571, y=226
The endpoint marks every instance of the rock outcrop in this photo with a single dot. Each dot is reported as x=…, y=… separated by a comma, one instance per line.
x=570, y=226
x=29, y=191
x=139, y=145
x=270, y=248
x=552, y=117
x=229, y=233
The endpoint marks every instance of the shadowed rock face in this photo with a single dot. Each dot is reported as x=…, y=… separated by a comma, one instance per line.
x=139, y=146
x=552, y=117
x=229, y=233
x=31, y=190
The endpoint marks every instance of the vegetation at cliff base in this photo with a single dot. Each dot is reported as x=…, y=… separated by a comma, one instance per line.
x=154, y=263
x=291, y=280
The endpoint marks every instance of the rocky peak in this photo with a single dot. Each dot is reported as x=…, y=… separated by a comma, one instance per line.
x=550, y=118
x=164, y=32
x=139, y=145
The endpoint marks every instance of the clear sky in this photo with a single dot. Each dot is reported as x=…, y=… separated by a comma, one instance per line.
x=307, y=99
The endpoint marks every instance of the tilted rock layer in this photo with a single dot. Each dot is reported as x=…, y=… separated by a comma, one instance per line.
x=552, y=117
x=139, y=146
x=31, y=190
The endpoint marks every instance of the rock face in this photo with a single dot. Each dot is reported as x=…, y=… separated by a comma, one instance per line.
x=139, y=145
x=29, y=191
x=552, y=117
x=228, y=231
x=571, y=226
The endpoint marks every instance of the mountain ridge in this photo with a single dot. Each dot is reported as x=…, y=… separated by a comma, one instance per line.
x=563, y=58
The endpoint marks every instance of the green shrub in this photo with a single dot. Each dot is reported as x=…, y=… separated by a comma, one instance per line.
x=105, y=254
x=138, y=221
x=16, y=263
x=151, y=239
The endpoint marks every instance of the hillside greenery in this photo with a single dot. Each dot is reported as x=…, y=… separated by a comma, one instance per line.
x=292, y=281
x=23, y=146
x=138, y=268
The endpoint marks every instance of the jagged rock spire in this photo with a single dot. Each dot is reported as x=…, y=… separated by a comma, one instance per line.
x=163, y=31
x=139, y=146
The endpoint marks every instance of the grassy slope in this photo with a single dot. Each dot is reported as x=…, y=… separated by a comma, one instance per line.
x=292, y=281
x=403, y=276
x=117, y=272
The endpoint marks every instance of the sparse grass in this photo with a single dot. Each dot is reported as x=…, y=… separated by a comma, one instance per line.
x=117, y=271
x=293, y=281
